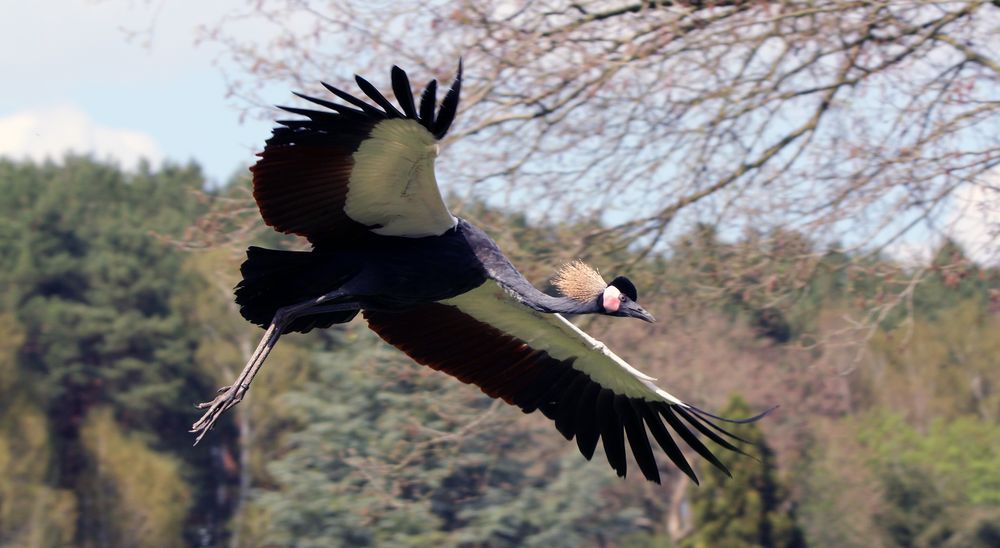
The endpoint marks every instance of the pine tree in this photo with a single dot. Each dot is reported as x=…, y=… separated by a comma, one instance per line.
x=385, y=452
x=752, y=508
x=92, y=290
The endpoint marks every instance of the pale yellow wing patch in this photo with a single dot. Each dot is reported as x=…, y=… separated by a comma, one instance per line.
x=392, y=184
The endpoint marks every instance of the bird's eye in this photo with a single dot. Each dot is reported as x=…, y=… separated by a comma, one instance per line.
x=621, y=298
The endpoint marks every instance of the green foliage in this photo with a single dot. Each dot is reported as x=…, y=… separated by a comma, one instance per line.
x=750, y=509
x=775, y=281
x=943, y=367
x=25, y=458
x=91, y=286
x=939, y=483
x=953, y=278
x=959, y=455
x=138, y=496
x=111, y=332
x=32, y=513
x=389, y=453
x=838, y=490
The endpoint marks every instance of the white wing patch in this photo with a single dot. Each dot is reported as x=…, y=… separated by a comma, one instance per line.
x=392, y=183
x=490, y=304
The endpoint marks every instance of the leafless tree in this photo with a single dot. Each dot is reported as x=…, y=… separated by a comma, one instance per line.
x=851, y=122
x=794, y=126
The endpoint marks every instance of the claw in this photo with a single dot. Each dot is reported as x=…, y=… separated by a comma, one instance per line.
x=227, y=398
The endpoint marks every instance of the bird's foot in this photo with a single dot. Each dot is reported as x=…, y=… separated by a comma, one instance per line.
x=227, y=397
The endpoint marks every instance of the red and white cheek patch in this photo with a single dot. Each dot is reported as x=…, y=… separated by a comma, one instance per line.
x=612, y=299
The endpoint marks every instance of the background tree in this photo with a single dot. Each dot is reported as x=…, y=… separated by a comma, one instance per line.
x=100, y=380
x=935, y=491
x=347, y=438
x=751, y=509
x=858, y=123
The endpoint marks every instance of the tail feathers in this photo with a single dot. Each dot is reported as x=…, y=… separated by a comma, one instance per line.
x=273, y=279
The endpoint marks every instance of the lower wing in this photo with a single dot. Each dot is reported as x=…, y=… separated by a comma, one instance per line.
x=542, y=361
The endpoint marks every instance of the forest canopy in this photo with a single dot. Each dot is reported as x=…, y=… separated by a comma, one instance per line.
x=117, y=306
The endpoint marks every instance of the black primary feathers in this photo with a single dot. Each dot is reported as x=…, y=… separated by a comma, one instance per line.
x=438, y=125
x=449, y=106
x=401, y=87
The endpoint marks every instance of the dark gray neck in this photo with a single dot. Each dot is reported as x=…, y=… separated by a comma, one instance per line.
x=535, y=299
x=499, y=268
x=542, y=302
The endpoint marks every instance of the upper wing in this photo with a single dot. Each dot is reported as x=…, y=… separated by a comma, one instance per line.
x=349, y=171
x=542, y=361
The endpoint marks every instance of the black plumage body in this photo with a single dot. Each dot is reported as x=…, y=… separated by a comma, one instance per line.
x=389, y=273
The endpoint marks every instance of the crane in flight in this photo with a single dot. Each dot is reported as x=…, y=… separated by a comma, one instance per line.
x=357, y=180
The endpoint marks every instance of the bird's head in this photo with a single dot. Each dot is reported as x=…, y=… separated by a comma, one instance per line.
x=581, y=282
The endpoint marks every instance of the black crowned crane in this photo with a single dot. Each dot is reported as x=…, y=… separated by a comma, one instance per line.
x=357, y=180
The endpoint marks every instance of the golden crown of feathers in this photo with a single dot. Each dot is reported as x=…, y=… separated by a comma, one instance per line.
x=579, y=281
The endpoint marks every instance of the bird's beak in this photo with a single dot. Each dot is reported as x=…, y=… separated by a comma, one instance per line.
x=634, y=310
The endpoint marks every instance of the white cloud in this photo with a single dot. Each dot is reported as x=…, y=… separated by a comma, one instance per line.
x=51, y=132
x=130, y=65
x=975, y=219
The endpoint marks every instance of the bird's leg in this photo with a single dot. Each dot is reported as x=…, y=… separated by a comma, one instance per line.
x=228, y=396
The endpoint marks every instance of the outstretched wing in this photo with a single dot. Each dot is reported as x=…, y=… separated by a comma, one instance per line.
x=542, y=361
x=351, y=170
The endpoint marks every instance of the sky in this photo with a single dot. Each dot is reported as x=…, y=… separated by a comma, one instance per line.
x=74, y=80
